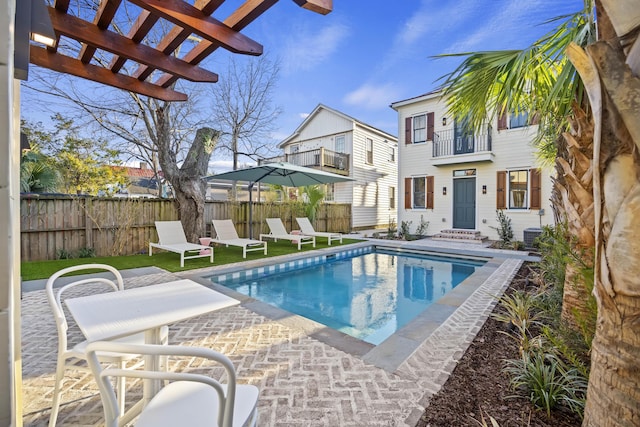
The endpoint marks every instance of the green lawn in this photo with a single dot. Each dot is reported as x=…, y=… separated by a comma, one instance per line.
x=170, y=261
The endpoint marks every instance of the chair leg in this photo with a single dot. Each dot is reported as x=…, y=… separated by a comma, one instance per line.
x=55, y=404
x=121, y=387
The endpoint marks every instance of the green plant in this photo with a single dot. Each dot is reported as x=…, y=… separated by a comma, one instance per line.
x=548, y=381
x=313, y=196
x=404, y=231
x=517, y=310
x=63, y=254
x=554, y=249
x=86, y=253
x=421, y=229
x=484, y=423
x=392, y=229
x=504, y=229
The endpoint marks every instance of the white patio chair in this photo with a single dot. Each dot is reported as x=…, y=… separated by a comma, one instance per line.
x=189, y=399
x=172, y=238
x=226, y=234
x=74, y=357
x=307, y=229
x=277, y=231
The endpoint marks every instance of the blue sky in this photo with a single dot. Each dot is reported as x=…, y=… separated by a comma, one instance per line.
x=367, y=54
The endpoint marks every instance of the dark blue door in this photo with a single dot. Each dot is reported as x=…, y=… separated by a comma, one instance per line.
x=464, y=203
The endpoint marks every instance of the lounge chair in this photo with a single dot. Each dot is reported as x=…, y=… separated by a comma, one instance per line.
x=307, y=230
x=226, y=234
x=277, y=231
x=172, y=238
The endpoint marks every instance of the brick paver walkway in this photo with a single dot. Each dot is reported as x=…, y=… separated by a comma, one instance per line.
x=303, y=382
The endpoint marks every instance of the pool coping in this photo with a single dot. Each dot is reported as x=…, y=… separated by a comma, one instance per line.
x=400, y=346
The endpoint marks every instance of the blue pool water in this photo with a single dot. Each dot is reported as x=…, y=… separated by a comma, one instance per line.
x=369, y=296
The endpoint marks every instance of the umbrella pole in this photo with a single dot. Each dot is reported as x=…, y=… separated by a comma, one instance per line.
x=251, y=210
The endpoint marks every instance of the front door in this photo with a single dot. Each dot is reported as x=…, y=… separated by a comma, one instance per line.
x=464, y=203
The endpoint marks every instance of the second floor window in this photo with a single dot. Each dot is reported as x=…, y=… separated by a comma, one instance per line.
x=369, y=151
x=392, y=154
x=518, y=120
x=419, y=129
x=340, y=146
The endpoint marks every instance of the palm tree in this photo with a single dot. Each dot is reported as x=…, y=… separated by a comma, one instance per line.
x=609, y=128
x=609, y=69
x=313, y=196
x=540, y=78
x=37, y=174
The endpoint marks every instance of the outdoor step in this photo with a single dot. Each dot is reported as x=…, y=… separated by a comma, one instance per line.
x=458, y=235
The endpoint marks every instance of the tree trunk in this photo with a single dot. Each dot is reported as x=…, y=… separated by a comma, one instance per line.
x=614, y=92
x=187, y=180
x=574, y=195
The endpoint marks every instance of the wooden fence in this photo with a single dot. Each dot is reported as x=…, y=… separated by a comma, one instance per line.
x=55, y=225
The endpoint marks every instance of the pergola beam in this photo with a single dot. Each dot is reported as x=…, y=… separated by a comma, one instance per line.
x=107, y=40
x=186, y=16
x=238, y=20
x=176, y=36
x=68, y=65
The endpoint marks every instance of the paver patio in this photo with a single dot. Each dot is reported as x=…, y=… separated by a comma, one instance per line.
x=302, y=381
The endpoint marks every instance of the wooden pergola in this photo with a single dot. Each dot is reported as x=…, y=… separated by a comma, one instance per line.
x=155, y=67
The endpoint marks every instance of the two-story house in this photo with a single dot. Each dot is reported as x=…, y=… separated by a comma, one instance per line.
x=330, y=140
x=457, y=179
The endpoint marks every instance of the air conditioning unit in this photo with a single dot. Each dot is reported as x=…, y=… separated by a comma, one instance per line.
x=530, y=234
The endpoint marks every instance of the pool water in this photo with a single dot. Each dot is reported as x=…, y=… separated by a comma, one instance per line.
x=369, y=296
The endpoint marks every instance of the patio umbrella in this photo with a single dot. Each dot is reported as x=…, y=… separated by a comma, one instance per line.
x=281, y=173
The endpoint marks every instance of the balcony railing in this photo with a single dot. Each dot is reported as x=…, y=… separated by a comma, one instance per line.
x=451, y=143
x=321, y=158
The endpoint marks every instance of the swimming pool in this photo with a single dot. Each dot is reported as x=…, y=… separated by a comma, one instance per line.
x=368, y=294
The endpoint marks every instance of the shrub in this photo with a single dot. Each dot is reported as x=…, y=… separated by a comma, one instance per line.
x=548, y=381
x=504, y=229
x=392, y=229
x=86, y=253
x=421, y=230
x=63, y=254
x=404, y=231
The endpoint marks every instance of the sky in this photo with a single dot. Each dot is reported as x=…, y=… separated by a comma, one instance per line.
x=366, y=54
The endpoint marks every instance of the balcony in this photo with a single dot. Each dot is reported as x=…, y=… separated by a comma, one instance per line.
x=450, y=147
x=321, y=158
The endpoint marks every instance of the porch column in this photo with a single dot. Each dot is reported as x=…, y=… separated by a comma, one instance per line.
x=11, y=366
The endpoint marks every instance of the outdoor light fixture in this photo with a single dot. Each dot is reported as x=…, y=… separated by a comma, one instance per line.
x=32, y=22
x=444, y=191
x=444, y=121
x=484, y=189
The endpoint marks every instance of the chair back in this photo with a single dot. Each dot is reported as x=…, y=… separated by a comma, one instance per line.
x=54, y=294
x=305, y=226
x=225, y=230
x=276, y=226
x=170, y=232
x=225, y=395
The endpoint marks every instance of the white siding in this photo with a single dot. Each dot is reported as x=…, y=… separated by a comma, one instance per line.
x=368, y=194
x=511, y=150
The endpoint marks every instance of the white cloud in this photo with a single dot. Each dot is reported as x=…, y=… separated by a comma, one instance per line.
x=306, y=49
x=303, y=115
x=373, y=96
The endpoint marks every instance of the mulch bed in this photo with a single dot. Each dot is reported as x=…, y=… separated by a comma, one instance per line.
x=478, y=387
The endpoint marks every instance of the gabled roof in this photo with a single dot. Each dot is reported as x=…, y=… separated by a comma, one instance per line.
x=317, y=110
x=425, y=96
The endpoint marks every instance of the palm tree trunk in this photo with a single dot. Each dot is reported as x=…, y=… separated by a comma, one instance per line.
x=614, y=93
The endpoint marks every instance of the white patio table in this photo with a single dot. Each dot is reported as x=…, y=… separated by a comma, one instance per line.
x=146, y=309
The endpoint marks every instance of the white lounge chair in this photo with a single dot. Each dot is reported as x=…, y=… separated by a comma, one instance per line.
x=307, y=230
x=226, y=234
x=190, y=399
x=71, y=357
x=172, y=238
x=277, y=231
